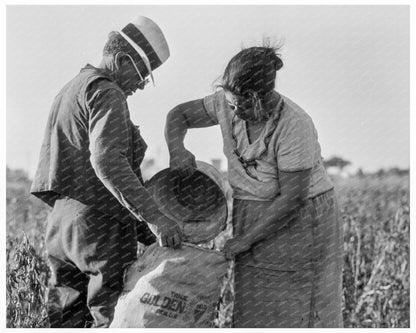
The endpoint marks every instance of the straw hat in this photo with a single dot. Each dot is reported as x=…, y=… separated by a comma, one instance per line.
x=150, y=48
x=196, y=203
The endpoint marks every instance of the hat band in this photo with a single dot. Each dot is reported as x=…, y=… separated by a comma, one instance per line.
x=141, y=53
x=142, y=46
x=143, y=43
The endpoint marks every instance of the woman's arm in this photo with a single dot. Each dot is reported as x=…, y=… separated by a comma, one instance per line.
x=187, y=115
x=294, y=193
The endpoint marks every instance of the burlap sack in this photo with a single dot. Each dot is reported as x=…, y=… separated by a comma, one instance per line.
x=171, y=288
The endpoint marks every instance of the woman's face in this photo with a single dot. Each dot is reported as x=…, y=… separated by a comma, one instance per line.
x=244, y=108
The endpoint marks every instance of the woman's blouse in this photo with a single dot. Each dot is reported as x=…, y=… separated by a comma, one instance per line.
x=288, y=142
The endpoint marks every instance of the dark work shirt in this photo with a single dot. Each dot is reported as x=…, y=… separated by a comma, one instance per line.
x=92, y=151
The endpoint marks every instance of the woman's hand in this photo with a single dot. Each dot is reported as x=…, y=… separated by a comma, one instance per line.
x=182, y=161
x=235, y=246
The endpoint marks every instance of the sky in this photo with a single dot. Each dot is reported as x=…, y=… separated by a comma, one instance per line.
x=346, y=66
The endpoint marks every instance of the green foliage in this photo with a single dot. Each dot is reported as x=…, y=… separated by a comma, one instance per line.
x=376, y=251
x=25, y=213
x=27, y=272
x=26, y=281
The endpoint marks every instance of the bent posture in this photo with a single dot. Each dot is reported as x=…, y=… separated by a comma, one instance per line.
x=287, y=240
x=89, y=172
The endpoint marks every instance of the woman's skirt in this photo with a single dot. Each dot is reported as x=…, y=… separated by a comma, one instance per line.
x=292, y=278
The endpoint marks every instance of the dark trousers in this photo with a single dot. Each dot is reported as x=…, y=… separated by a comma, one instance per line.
x=88, y=252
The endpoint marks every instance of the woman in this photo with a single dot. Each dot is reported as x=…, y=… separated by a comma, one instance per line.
x=287, y=240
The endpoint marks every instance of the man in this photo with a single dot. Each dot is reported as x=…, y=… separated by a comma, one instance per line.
x=89, y=172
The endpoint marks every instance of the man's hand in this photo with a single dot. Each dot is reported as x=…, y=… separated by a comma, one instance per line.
x=235, y=246
x=182, y=161
x=167, y=232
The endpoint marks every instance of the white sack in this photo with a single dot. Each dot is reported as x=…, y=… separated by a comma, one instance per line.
x=171, y=288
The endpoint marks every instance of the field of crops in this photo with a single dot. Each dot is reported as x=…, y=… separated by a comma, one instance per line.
x=375, y=211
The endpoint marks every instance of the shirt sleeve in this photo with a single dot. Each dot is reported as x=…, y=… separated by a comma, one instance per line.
x=211, y=105
x=296, y=147
x=109, y=135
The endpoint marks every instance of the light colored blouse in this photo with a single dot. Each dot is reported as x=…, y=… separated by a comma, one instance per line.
x=288, y=142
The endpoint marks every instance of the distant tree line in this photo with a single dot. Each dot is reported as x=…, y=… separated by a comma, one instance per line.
x=340, y=163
